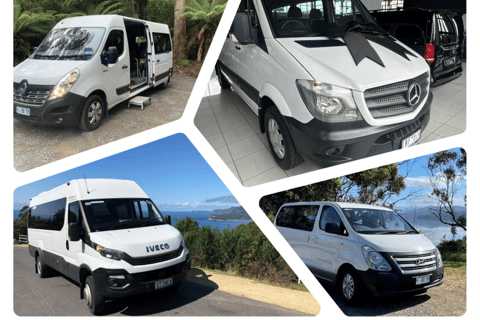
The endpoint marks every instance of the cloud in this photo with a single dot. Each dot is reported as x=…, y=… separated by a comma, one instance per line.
x=223, y=199
x=418, y=182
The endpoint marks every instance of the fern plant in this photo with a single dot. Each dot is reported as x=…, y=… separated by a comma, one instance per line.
x=208, y=14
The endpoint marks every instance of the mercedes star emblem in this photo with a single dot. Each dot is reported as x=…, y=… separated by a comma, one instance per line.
x=414, y=93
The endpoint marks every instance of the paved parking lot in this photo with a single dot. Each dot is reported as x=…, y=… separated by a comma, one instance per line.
x=231, y=128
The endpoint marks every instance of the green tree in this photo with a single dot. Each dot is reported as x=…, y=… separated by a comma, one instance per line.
x=161, y=11
x=105, y=7
x=20, y=224
x=207, y=13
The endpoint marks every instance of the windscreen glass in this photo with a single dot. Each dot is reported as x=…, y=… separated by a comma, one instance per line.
x=70, y=44
x=116, y=214
x=314, y=18
x=373, y=221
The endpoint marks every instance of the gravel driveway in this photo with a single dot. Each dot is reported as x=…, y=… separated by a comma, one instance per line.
x=36, y=145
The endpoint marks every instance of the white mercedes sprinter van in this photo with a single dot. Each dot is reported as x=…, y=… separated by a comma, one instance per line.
x=87, y=65
x=357, y=246
x=108, y=236
x=327, y=83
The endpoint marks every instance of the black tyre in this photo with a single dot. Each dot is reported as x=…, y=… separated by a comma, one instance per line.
x=95, y=302
x=165, y=84
x=280, y=141
x=350, y=286
x=43, y=270
x=221, y=79
x=92, y=114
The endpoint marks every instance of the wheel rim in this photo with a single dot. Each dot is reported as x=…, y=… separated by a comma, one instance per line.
x=88, y=295
x=348, y=286
x=276, y=138
x=94, y=113
x=39, y=267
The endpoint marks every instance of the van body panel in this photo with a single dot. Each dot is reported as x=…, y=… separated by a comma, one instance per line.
x=397, y=243
x=44, y=72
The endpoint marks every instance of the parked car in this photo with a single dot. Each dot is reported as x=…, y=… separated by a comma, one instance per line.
x=361, y=247
x=86, y=66
x=319, y=95
x=109, y=237
x=438, y=35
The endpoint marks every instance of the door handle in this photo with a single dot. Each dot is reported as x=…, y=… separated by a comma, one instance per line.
x=125, y=67
x=66, y=244
x=238, y=48
x=158, y=60
x=315, y=238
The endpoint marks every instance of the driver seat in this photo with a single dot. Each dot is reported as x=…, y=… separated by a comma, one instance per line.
x=294, y=12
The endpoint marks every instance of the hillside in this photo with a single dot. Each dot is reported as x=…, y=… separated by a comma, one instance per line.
x=234, y=213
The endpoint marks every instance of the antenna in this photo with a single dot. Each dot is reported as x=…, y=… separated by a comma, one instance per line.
x=86, y=183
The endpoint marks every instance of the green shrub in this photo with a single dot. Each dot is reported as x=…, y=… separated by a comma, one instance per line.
x=161, y=11
x=185, y=63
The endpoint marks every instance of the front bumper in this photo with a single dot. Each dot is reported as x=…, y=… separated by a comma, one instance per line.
x=139, y=283
x=351, y=141
x=67, y=108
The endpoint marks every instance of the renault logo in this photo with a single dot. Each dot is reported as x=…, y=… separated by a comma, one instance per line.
x=414, y=93
x=419, y=261
x=23, y=89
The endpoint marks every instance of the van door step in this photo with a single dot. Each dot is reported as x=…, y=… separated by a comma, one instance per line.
x=140, y=101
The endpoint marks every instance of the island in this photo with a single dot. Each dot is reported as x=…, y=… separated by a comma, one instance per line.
x=234, y=213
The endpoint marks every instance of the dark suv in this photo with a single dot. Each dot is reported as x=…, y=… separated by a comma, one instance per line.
x=438, y=35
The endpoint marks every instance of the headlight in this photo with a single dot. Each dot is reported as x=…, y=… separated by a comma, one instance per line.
x=108, y=253
x=327, y=102
x=64, y=85
x=182, y=243
x=375, y=260
x=439, y=258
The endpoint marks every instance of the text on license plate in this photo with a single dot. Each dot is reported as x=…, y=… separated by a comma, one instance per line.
x=163, y=283
x=422, y=280
x=449, y=62
x=23, y=111
x=409, y=141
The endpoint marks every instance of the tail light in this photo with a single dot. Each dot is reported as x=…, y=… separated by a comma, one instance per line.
x=429, y=53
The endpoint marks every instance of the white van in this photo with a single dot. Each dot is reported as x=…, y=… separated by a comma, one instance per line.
x=86, y=66
x=108, y=236
x=357, y=246
x=327, y=83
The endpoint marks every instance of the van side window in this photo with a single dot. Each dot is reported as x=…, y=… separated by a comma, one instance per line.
x=115, y=39
x=298, y=217
x=410, y=35
x=162, y=43
x=48, y=216
x=329, y=215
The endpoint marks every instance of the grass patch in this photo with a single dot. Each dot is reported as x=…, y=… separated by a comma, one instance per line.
x=454, y=257
x=455, y=268
x=293, y=286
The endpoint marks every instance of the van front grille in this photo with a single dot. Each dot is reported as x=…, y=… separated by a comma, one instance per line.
x=416, y=263
x=159, y=274
x=392, y=100
x=35, y=94
x=154, y=258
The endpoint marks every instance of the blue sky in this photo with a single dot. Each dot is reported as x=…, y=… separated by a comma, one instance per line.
x=171, y=171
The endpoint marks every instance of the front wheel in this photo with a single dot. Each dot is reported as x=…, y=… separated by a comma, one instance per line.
x=350, y=286
x=92, y=114
x=95, y=302
x=280, y=141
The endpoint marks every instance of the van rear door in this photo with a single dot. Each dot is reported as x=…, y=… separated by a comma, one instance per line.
x=448, y=37
x=162, y=55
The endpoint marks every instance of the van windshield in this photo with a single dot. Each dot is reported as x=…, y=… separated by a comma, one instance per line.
x=300, y=18
x=116, y=214
x=70, y=44
x=373, y=221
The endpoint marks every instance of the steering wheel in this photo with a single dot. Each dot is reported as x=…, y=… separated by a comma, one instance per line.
x=293, y=21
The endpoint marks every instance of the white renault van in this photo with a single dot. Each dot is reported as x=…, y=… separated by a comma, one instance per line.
x=86, y=66
x=108, y=236
x=357, y=246
x=327, y=83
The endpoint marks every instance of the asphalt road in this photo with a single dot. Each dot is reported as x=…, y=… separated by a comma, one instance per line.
x=35, y=145
x=59, y=296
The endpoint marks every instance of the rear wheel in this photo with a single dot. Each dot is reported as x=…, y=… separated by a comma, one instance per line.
x=280, y=141
x=165, y=84
x=42, y=269
x=95, y=302
x=92, y=114
x=221, y=79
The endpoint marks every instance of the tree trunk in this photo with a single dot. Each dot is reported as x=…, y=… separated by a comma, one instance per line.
x=179, y=31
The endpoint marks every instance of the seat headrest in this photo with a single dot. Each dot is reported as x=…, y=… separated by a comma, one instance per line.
x=294, y=12
x=315, y=14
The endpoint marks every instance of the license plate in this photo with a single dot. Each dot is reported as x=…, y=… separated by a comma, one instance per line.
x=422, y=280
x=409, y=141
x=163, y=283
x=449, y=62
x=23, y=111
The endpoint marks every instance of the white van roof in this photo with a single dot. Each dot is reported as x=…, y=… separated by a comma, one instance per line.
x=106, y=21
x=92, y=189
x=340, y=204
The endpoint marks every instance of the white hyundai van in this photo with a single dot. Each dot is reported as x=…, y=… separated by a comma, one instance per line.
x=108, y=236
x=357, y=247
x=327, y=83
x=87, y=65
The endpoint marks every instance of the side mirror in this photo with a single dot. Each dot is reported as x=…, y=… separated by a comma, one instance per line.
x=242, y=28
x=168, y=219
x=73, y=231
x=110, y=56
x=334, y=228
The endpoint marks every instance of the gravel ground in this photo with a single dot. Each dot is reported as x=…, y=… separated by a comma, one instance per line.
x=35, y=146
x=448, y=299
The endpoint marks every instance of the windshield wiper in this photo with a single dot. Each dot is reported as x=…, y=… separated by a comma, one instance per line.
x=148, y=221
x=122, y=224
x=73, y=56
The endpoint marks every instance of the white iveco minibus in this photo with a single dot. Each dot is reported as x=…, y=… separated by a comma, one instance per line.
x=87, y=65
x=108, y=236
